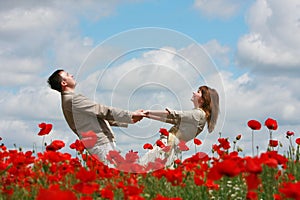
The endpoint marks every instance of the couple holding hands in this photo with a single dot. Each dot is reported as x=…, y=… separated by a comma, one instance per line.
x=83, y=115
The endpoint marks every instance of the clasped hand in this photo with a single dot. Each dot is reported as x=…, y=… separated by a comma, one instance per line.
x=138, y=115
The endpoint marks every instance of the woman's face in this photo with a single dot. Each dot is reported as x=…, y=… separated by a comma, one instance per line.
x=197, y=98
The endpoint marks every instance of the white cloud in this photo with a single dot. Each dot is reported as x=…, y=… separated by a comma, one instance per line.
x=38, y=34
x=218, y=52
x=249, y=97
x=273, y=41
x=31, y=31
x=23, y=134
x=175, y=72
x=270, y=89
x=155, y=79
x=27, y=36
x=91, y=9
x=218, y=8
x=33, y=35
x=271, y=50
x=88, y=41
x=16, y=71
x=17, y=132
x=18, y=19
x=31, y=103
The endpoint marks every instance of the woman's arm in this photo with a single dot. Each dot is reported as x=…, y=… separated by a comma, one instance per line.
x=160, y=115
x=155, y=117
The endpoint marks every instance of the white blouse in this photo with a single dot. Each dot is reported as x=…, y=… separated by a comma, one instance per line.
x=187, y=124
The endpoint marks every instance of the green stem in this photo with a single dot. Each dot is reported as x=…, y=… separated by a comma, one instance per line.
x=292, y=151
x=43, y=143
x=234, y=143
x=252, y=143
x=272, y=148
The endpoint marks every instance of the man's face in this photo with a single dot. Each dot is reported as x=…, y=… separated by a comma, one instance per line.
x=68, y=79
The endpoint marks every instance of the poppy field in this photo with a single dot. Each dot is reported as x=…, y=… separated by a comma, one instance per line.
x=53, y=174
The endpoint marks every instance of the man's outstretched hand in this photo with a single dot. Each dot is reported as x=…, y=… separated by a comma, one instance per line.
x=138, y=116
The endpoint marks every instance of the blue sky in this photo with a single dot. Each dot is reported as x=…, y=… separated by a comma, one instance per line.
x=251, y=46
x=180, y=16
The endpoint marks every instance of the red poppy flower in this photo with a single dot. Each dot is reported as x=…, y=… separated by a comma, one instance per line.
x=164, y=132
x=160, y=144
x=291, y=190
x=212, y=185
x=297, y=141
x=160, y=197
x=89, y=139
x=182, y=146
x=58, y=144
x=273, y=143
x=157, y=164
x=86, y=188
x=271, y=124
x=197, y=141
x=78, y=145
x=131, y=191
x=54, y=192
x=55, y=145
x=273, y=158
x=290, y=133
x=174, y=176
x=277, y=197
x=3, y=147
x=271, y=162
x=107, y=193
x=254, y=124
x=148, y=146
x=50, y=148
x=198, y=181
x=166, y=148
x=114, y=157
x=45, y=129
x=198, y=157
x=85, y=175
x=131, y=156
x=253, y=165
x=177, y=161
x=230, y=167
x=291, y=177
x=215, y=147
x=251, y=195
x=224, y=143
x=252, y=181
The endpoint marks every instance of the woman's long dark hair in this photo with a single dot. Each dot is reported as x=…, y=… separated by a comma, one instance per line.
x=210, y=106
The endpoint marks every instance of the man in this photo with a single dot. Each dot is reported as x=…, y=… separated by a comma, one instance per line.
x=84, y=115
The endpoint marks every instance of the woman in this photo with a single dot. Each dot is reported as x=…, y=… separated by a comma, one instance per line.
x=187, y=124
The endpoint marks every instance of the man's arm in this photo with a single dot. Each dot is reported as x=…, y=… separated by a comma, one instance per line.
x=111, y=114
x=119, y=124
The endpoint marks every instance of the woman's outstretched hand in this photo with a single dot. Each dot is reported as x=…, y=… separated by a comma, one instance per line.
x=137, y=116
x=146, y=113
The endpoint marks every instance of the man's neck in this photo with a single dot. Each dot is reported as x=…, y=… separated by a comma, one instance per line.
x=68, y=89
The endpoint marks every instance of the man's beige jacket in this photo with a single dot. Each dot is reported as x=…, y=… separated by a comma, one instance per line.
x=83, y=115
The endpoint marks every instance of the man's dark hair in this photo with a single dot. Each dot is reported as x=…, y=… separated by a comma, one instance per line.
x=55, y=80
